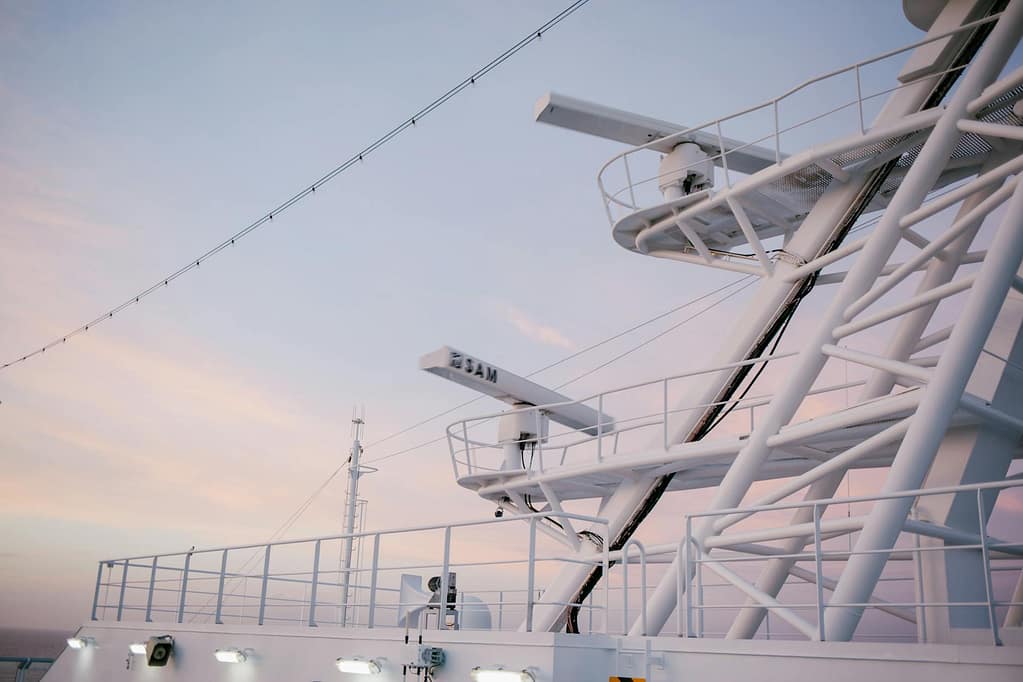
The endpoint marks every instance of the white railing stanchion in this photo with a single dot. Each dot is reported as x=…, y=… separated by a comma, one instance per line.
x=371, y=618
x=985, y=555
x=921, y=612
x=859, y=100
x=95, y=595
x=263, y=588
x=315, y=582
x=184, y=587
x=680, y=566
x=625, y=584
x=628, y=178
x=664, y=413
x=724, y=156
x=777, y=135
x=699, y=590
x=124, y=585
x=531, y=574
x=149, y=594
x=442, y=610
x=539, y=440
x=818, y=570
x=220, y=590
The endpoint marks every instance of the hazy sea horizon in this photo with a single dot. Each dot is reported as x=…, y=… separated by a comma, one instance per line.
x=35, y=643
x=41, y=643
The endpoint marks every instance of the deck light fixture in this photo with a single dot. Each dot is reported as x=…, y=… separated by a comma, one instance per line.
x=230, y=655
x=78, y=642
x=358, y=666
x=499, y=674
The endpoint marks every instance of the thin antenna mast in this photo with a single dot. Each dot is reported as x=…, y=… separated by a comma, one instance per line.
x=351, y=498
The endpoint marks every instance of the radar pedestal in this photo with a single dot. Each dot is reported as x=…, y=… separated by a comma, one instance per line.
x=520, y=428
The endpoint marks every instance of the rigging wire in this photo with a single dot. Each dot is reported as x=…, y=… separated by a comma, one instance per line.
x=311, y=188
x=304, y=506
x=571, y=356
x=749, y=281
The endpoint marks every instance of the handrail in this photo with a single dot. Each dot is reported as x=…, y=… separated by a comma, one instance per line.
x=773, y=103
x=135, y=597
x=462, y=448
x=690, y=564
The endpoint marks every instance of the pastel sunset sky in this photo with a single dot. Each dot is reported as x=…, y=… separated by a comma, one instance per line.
x=134, y=136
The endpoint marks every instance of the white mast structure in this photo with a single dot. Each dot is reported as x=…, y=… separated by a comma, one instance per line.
x=692, y=224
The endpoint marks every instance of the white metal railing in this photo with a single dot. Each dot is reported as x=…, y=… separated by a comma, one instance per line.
x=295, y=586
x=821, y=548
x=476, y=455
x=625, y=198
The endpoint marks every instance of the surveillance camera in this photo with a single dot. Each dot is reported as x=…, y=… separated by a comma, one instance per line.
x=159, y=650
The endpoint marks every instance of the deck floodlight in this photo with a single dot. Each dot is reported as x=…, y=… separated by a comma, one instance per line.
x=498, y=674
x=358, y=666
x=137, y=648
x=230, y=655
x=159, y=650
x=77, y=642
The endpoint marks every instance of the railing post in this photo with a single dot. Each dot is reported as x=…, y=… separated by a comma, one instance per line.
x=664, y=413
x=777, y=135
x=689, y=572
x=371, y=618
x=921, y=611
x=149, y=596
x=451, y=449
x=465, y=442
x=625, y=588
x=859, y=100
x=95, y=595
x=818, y=569
x=442, y=618
x=531, y=577
x=642, y=583
x=539, y=438
x=724, y=156
x=680, y=554
x=184, y=588
x=315, y=581
x=986, y=557
x=699, y=591
x=500, y=610
x=628, y=178
x=262, y=591
x=124, y=584
x=220, y=590
x=606, y=564
x=600, y=429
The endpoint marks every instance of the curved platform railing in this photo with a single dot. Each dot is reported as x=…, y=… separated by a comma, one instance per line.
x=473, y=454
x=624, y=193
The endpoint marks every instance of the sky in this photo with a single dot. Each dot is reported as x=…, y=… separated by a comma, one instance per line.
x=137, y=135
